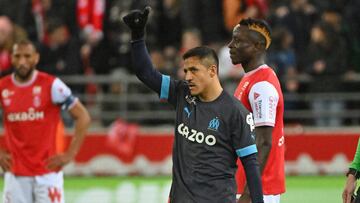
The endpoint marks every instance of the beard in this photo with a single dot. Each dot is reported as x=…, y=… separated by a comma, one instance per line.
x=22, y=75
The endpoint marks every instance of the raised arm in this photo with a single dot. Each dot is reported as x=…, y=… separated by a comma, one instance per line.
x=143, y=67
x=144, y=70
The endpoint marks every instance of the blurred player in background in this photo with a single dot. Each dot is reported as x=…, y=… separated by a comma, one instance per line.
x=259, y=90
x=352, y=175
x=212, y=127
x=31, y=102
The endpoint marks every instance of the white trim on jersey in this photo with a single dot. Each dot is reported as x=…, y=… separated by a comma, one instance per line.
x=27, y=83
x=263, y=66
x=263, y=99
x=60, y=92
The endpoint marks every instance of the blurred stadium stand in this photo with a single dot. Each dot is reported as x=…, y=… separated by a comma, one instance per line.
x=133, y=102
x=315, y=52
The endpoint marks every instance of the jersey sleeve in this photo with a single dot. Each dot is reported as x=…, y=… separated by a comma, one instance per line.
x=244, y=136
x=263, y=99
x=162, y=84
x=355, y=164
x=61, y=95
x=169, y=90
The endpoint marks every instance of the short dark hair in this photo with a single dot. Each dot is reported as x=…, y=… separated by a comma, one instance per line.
x=203, y=52
x=260, y=26
x=25, y=42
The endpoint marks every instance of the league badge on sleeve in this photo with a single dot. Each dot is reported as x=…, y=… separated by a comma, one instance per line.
x=250, y=121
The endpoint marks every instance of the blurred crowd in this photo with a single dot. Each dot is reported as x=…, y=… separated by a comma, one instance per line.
x=315, y=44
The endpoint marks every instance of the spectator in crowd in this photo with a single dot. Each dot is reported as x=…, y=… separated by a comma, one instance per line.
x=6, y=41
x=293, y=101
x=326, y=63
x=61, y=53
x=352, y=19
x=9, y=33
x=90, y=14
x=61, y=56
x=297, y=17
x=114, y=47
x=281, y=54
x=207, y=17
x=170, y=31
x=190, y=38
x=170, y=25
x=180, y=25
x=236, y=10
x=19, y=13
x=112, y=104
x=114, y=50
x=323, y=6
x=42, y=11
x=159, y=61
x=90, y=20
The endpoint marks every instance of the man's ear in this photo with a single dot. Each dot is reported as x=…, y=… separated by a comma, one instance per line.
x=213, y=70
x=37, y=58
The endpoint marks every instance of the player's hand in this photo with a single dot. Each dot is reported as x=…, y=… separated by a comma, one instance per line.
x=5, y=160
x=58, y=161
x=244, y=198
x=136, y=21
x=349, y=189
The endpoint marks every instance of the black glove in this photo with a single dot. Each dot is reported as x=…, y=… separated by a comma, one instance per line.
x=136, y=21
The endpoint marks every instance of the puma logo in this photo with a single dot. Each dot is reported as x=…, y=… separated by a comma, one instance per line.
x=186, y=109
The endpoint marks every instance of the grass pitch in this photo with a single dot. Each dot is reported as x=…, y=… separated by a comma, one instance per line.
x=300, y=189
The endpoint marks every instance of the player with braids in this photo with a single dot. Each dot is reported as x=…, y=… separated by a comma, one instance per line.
x=259, y=27
x=260, y=92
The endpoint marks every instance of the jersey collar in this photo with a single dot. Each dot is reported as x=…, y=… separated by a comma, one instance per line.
x=263, y=66
x=34, y=76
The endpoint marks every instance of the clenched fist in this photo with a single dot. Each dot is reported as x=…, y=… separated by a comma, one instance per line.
x=136, y=21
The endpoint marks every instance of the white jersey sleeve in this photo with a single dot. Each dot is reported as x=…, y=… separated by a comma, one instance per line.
x=263, y=99
x=61, y=95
